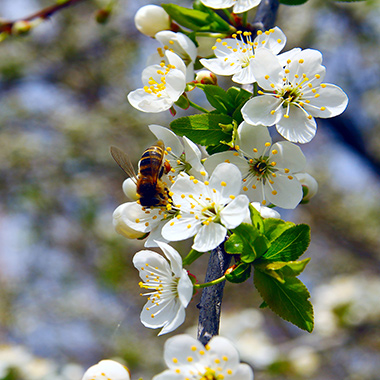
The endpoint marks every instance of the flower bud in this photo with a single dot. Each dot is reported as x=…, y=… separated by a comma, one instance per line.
x=129, y=189
x=206, y=77
x=21, y=27
x=107, y=370
x=122, y=227
x=309, y=186
x=151, y=19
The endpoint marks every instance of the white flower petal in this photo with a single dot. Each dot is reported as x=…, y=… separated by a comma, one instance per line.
x=185, y=288
x=218, y=4
x=244, y=371
x=175, y=322
x=209, y=237
x=219, y=66
x=245, y=75
x=107, y=369
x=168, y=375
x=273, y=39
x=257, y=111
x=308, y=62
x=141, y=258
x=174, y=258
x=267, y=69
x=266, y=212
x=284, y=57
x=298, y=127
x=226, y=179
x=221, y=347
x=288, y=156
x=169, y=138
x=287, y=192
x=180, y=229
x=234, y=213
x=252, y=137
x=332, y=98
x=154, y=316
x=245, y=5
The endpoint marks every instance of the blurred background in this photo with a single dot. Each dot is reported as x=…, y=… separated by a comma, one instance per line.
x=69, y=295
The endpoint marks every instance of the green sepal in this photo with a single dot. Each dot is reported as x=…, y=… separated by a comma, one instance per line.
x=183, y=102
x=203, y=129
x=293, y=2
x=288, y=299
x=197, y=20
x=191, y=257
x=290, y=245
x=273, y=228
x=240, y=274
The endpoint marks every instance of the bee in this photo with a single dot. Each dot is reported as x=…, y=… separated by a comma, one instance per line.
x=149, y=186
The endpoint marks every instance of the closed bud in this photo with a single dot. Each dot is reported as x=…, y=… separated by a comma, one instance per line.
x=21, y=28
x=206, y=77
x=151, y=19
x=107, y=370
x=129, y=189
x=309, y=186
x=121, y=226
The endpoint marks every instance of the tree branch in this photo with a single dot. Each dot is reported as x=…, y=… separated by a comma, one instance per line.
x=6, y=26
x=211, y=300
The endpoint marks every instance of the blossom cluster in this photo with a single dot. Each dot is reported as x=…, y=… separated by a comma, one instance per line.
x=206, y=189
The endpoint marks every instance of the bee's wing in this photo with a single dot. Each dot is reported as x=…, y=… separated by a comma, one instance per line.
x=123, y=161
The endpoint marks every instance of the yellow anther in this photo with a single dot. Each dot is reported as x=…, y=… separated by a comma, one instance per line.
x=245, y=188
x=223, y=184
x=274, y=192
x=267, y=144
x=301, y=61
x=286, y=116
x=232, y=196
x=266, y=77
x=290, y=177
x=146, y=224
x=323, y=85
x=206, y=182
x=274, y=151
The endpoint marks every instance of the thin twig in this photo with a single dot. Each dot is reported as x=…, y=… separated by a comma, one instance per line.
x=6, y=26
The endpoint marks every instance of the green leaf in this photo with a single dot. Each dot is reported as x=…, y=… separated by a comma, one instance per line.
x=247, y=242
x=273, y=228
x=195, y=19
x=191, y=257
x=293, y=2
x=263, y=305
x=289, y=299
x=240, y=274
x=281, y=269
x=238, y=97
x=217, y=97
x=211, y=149
x=256, y=218
x=203, y=129
x=290, y=245
x=349, y=1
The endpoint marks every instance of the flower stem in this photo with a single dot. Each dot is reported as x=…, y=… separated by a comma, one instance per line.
x=228, y=14
x=197, y=107
x=206, y=284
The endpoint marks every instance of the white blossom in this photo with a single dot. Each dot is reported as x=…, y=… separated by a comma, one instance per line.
x=169, y=285
x=235, y=56
x=182, y=156
x=239, y=6
x=107, y=370
x=293, y=94
x=310, y=183
x=163, y=85
x=179, y=44
x=188, y=359
x=206, y=209
x=267, y=170
x=151, y=19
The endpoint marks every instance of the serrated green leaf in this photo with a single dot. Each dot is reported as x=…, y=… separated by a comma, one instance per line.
x=289, y=299
x=191, y=257
x=203, y=129
x=290, y=245
x=234, y=245
x=195, y=19
x=240, y=274
x=273, y=228
x=293, y=2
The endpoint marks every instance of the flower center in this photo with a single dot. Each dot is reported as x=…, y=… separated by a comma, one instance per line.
x=210, y=374
x=261, y=168
x=157, y=86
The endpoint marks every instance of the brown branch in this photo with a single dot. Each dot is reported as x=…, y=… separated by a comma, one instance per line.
x=6, y=26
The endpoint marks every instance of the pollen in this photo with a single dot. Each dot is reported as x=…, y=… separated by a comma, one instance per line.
x=286, y=170
x=183, y=196
x=177, y=370
x=137, y=220
x=323, y=85
x=323, y=108
x=301, y=61
x=225, y=358
x=264, y=202
x=175, y=360
x=146, y=224
x=217, y=361
x=201, y=352
x=172, y=223
x=207, y=182
x=267, y=144
x=253, y=187
x=213, y=48
x=245, y=188
x=189, y=226
x=286, y=116
x=274, y=192
x=203, y=173
x=290, y=177
x=274, y=151
x=232, y=196
x=255, y=150
x=266, y=77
